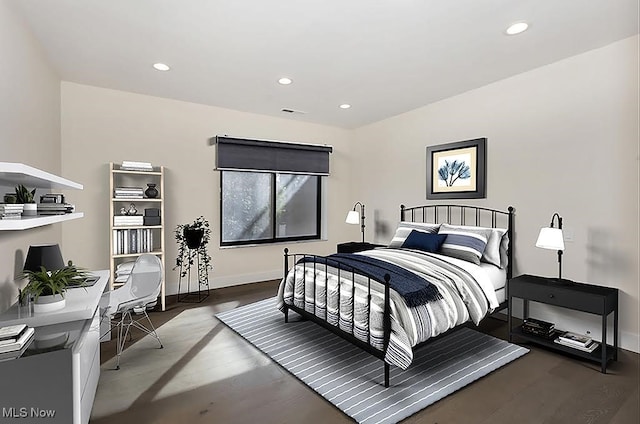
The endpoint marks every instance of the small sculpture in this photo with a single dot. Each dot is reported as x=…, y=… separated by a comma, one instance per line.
x=132, y=209
x=123, y=211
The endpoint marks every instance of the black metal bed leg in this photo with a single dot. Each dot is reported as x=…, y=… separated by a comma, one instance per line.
x=386, y=375
x=286, y=314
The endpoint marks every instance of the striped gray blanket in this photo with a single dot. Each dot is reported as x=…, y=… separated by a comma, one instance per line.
x=467, y=294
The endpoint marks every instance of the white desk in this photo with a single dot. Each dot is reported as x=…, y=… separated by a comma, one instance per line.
x=60, y=369
x=81, y=304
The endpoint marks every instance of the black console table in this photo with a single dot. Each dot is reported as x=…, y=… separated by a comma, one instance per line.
x=571, y=295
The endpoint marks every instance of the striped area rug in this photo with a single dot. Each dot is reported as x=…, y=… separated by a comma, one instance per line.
x=352, y=379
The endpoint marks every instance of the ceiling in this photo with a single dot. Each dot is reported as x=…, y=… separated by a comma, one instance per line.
x=384, y=57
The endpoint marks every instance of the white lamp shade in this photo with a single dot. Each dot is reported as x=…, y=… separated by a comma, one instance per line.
x=353, y=217
x=550, y=238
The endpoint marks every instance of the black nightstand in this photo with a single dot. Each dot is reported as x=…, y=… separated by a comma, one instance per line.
x=356, y=246
x=571, y=295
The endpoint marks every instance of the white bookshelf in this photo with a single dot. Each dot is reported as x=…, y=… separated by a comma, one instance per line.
x=13, y=174
x=128, y=178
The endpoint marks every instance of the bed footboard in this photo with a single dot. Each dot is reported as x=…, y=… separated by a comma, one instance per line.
x=292, y=260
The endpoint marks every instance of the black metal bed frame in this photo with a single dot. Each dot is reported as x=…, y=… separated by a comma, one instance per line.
x=413, y=214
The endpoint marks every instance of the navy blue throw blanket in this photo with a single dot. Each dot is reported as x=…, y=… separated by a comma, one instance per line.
x=414, y=289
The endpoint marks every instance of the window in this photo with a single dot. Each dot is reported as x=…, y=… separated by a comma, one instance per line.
x=270, y=190
x=265, y=207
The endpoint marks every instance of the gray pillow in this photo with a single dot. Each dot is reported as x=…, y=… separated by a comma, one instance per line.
x=495, y=252
x=405, y=228
x=464, y=243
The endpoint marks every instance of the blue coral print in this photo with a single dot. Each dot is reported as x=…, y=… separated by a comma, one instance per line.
x=450, y=172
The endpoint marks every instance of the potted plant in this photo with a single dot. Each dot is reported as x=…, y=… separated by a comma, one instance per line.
x=47, y=288
x=192, y=242
x=26, y=197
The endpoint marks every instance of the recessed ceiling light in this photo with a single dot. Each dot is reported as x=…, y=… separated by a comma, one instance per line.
x=285, y=81
x=161, y=67
x=517, y=28
x=345, y=106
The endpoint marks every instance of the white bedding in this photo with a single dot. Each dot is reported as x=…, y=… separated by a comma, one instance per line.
x=468, y=292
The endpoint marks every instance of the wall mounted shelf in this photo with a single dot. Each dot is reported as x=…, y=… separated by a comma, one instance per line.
x=13, y=174
x=37, y=221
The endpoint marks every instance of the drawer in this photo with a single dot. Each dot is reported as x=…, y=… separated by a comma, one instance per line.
x=558, y=296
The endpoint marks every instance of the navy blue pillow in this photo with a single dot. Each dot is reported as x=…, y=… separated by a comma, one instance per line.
x=427, y=242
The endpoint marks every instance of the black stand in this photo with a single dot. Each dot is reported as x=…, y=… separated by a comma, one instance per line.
x=203, y=286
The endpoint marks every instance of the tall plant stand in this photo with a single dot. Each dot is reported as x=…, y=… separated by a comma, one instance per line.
x=202, y=284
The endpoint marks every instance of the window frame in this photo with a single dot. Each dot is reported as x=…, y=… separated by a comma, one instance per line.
x=273, y=239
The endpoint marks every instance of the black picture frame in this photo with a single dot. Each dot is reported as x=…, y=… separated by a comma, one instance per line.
x=447, y=179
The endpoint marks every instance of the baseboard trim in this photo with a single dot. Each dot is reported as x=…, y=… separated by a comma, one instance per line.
x=231, y=281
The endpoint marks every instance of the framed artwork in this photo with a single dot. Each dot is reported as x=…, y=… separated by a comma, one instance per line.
x=457, y=170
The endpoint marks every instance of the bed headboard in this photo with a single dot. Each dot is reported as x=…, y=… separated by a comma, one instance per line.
x=464, y=215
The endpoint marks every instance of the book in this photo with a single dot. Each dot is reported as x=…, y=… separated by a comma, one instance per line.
x=12, y=331
x=136, y=164
x=13, y=354
x=548, y=334
x=129, y=165
x=125, y=220
x=52, y=198
x=532, y=322
x=11, y=207
x=18, y=344
x=590, y=347
x=575, y=339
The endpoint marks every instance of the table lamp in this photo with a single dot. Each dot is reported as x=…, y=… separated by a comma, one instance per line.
x=44, y=255
x=552, y=238
x=355, y=217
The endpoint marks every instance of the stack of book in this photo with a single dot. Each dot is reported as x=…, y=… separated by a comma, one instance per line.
x=127, y=220
x=11, y=211
x=538, y=328
x=129, y=165
x=14, y=340
x=128, y=193
x=577, y=341
x=55, y=208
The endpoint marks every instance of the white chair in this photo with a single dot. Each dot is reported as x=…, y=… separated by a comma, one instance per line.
x=140, y=290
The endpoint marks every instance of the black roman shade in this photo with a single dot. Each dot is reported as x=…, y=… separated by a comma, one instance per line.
x=271, y=156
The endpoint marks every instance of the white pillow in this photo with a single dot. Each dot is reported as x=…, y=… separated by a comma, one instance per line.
x=125, y=267
x=405, y=228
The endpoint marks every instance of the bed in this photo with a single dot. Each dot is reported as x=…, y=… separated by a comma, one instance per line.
x=446, y=265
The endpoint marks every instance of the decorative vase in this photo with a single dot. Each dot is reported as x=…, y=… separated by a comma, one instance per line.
x=49, y=303
x=193, y=237
x=151, y=192
x=30, y=209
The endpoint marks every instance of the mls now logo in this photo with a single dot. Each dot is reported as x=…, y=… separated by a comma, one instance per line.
x=28, y=413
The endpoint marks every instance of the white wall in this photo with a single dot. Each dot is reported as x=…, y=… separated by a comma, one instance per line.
x=562, y=138
x=29, y=132
x=100, y=126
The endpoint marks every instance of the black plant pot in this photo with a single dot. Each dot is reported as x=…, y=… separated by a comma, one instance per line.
x=193, y=237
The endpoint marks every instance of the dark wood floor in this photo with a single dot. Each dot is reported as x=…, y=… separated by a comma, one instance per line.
x=541, y=387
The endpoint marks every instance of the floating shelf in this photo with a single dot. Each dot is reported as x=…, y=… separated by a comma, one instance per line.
x=13, y=174
x=18, y=173
x=37, y=221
